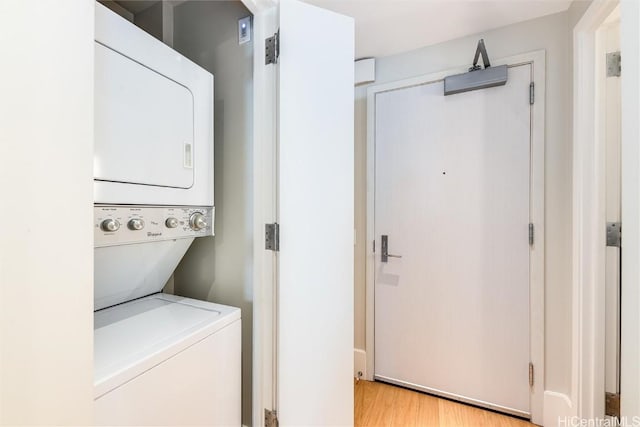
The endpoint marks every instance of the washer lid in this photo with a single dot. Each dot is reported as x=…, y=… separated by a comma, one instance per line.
x=131, y=338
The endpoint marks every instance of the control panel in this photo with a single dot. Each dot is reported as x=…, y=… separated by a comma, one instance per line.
x=122, y=224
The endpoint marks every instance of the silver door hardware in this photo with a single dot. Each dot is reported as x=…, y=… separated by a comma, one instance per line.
x=270, y=418
x=385, y=250
x=614, y=234
x=530, y=374
x=531, y=234
x=272, y=49
x=614, y=64
x=532, y=93
x=477, y=77
x=272, y=237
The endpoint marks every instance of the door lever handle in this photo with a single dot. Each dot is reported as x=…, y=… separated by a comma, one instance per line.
x=385, y=250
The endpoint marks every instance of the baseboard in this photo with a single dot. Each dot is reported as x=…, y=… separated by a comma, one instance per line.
x=558, y=409
x=359, y=363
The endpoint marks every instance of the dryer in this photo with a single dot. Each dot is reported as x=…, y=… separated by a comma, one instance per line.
x=158, y=359
x=153, y=120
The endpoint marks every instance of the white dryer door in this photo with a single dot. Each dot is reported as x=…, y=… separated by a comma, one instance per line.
x=143, y=124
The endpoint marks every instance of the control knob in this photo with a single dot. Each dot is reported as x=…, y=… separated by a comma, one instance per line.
x=197, y=221
x=171, y=222
x=110, y=225
x=135, y=224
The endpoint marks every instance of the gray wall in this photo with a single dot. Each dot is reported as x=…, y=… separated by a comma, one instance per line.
x=150, y=20
x=219, y=268
x=552, y=34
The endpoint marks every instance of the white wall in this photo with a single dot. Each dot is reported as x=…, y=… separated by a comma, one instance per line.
x=220, y=268
x=46, y=244
x=552, y=34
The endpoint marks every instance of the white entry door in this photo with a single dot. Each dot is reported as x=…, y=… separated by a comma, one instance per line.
x=452, y=195
x=315, y=212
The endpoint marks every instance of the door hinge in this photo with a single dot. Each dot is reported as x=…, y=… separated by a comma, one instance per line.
x=272, y=237
x=614, y=64
x=270, y=418
x=530, y=374
x=532, y=93
x=531, y=233
x=374, y=246
x=272, y=49
x=614, y=234
x=612, y=404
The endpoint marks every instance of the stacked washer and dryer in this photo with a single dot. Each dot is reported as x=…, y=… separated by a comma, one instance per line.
x=159, y=359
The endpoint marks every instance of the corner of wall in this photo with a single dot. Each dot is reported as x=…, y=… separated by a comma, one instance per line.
x=557, y=407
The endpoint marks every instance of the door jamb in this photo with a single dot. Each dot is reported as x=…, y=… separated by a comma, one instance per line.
x=265, y=22
x=589, y=245
x=537, y=273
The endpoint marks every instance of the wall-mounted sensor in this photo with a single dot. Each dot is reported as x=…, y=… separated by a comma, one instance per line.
x=244, y=30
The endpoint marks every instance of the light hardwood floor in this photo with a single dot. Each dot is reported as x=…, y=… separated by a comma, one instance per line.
x=379, y=404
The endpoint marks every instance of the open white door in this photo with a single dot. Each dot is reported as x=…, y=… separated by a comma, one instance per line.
x=315, y=192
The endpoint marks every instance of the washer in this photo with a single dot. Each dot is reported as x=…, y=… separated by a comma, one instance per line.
x=158, y=359
x=166, y=360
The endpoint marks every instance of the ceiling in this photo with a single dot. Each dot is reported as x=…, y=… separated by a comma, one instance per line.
x=387, y=27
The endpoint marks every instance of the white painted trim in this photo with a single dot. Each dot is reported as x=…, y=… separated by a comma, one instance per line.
x=537, y=266
x=258, y=7
x=370, y=257
x=369, y=321
x=265, y=23
x=588, y=334
x=557, y=406
x=359, y=363
x=538, y=59
x=365, y=71
x=630, y=48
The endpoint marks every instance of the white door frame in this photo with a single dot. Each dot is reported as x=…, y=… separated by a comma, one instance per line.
x=588, y=211
x=265, y=23
x=537, y=59
x=589, y=244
